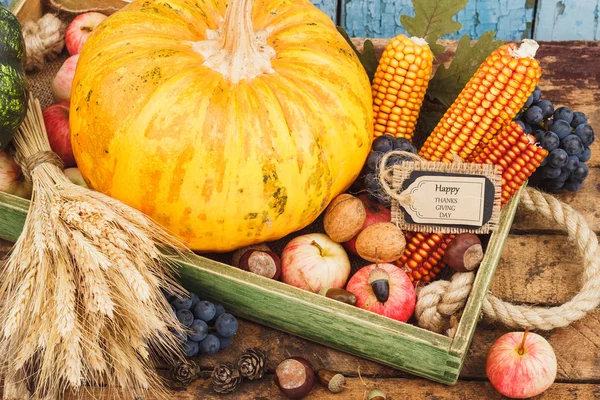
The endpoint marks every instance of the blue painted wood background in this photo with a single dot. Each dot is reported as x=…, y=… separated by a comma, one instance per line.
x=511, y=19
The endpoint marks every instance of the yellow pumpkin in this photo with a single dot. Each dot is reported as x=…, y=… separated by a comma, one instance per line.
x=228, y=124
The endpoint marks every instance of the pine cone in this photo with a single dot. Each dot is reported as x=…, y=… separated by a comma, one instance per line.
x=225, y=378
x=185, y=372
x=252, y=364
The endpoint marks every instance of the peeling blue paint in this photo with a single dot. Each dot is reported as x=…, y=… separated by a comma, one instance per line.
x=329, y=7
x=567, y=20
x=5, y=3
x=511, y=19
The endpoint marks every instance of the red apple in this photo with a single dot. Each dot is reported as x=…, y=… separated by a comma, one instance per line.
x=384, y=289
x=56, y=120
x=375, y=213
x=521, y=365
x=80, y=29
x=62, y=82
x=11, y=180
x=314, y=261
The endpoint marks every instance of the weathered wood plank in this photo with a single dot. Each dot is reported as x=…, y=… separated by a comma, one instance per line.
x=381, y=18
x=397, y=388
x=567, y=20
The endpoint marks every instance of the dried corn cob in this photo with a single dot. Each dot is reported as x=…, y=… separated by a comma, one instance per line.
x=516, y=153
x=399, y=86
x=422, y=258
x=492, y=98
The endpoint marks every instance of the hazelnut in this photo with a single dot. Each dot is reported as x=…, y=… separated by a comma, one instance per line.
x=235, y=258
x=464, y=253
x=295, y=377
x=263, y=263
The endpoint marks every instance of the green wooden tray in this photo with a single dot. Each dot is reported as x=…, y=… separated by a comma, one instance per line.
x=321, y=319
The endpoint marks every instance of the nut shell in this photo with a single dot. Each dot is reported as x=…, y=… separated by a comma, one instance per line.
x=263, y=263
x=235, y=258
x=295, y=377
x=344, y=218
x=464, y=253
x=381, y=242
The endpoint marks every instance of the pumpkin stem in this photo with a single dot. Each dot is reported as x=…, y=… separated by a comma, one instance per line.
x=236, y=51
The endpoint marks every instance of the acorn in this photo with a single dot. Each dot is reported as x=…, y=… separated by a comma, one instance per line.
x=377, y=394
x=295, y=377
x=333, y=381
x=380, y=283
x=464, y=253
x=339, y=294
x=263, y=263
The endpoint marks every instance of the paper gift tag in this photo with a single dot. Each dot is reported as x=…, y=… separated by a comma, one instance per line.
x=446, y=197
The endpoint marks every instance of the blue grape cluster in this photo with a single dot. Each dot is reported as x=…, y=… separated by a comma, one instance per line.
x=566, y=135
x=381, y=145
x=210, y=328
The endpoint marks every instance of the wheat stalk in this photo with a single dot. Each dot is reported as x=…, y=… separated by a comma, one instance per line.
x=80, y=294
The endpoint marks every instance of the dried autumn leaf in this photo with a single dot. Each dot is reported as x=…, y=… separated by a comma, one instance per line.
x=447, y=83
x=81, y=6
x=432, y=20
x=367, y=58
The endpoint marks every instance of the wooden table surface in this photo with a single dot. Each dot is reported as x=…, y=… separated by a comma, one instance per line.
x=539, y=266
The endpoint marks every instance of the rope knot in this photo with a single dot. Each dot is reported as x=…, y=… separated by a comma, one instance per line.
x=44, y=157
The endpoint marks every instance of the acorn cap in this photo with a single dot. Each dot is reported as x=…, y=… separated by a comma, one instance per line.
x=378, y=274
x=336, y=384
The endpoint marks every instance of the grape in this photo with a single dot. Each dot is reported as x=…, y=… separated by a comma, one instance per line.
x=205, y=310
x=404, y=145
x=199, y=330
x=373, y=160
x=219, y=309
x=182, y=336
x=534, y=115
x=210, y=345
x=572, y=163
x=573, y=185
x=529, y=101
x=521, y=124
x=550, y=141
x=547, y=108
x=527, y=128
x=383, y=143
x=564, y=175
x=558, y=158
x=537, y=94
x=564, y=113
x=585, y=133
x=539, y=134
x=544, y=162
x=549, y=172
x=224, y=342
x=561, y=127
x=586, y=155
x=371, y=182
x=182, y=303
x=572, y=145
x=553, y=186
x=174, y=309
x=226, y=325
x=190, y=348
x=578, y=119
x=195, y=299
x=185, y=317
x=581, y=172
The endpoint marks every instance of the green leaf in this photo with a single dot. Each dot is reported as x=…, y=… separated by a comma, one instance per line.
x=447, y=83
x=367, y=58
x=432, y=20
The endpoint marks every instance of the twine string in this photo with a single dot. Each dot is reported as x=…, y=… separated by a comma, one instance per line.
x=44, y=40
x=440, y=300
x=386, y=175
x=29, y=164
